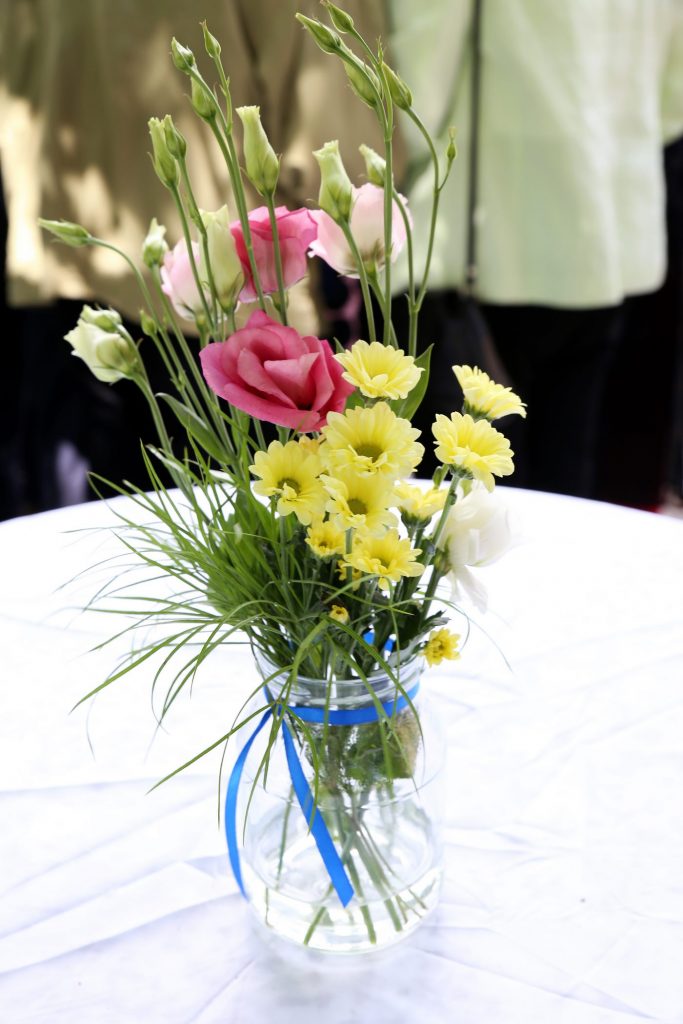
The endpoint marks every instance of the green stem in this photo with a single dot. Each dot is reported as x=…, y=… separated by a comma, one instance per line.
x=363, y=278
x=197, y=220
x=375, y=285
x=412, y=311
x=278, y=257
x=435, y=204
x=190, y=252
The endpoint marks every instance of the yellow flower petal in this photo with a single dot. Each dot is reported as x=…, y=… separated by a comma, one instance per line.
x=442, y=644
x=373, y=440
x=485, y=398
x=389, y=557
x=379, y=371
x=290, y=472
x=473, y=446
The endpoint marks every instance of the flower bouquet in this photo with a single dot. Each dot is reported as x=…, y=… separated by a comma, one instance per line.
x=291, y=525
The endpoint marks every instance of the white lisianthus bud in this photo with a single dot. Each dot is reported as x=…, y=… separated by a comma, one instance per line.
x=226, y=268
x=400, y=93
x=262, y=164
x=326, y=39
x=164, y=164
x=375, y=166
x=154, y=247
x=211, y=44
x=477, y=533
x=183, y=57
x=361, y=79
x=204, y=104
x=336, y=190
x=175, y=142
x=106, y=319
x=101, y=341
x=342, y=21
x=66, y=231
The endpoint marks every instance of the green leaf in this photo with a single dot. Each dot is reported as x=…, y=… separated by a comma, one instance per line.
x=408, y=406
x=197, y=429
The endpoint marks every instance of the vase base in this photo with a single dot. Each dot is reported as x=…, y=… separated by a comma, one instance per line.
x=343, y=933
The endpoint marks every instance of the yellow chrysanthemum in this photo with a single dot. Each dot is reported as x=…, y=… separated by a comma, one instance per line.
x=485, y=398
x=339, y=613
x=418, y=504
x=372, y=440
x=359, y=502
x=442, y=644
x=291, y=473
x=379, y=371
x=389, y=556
x=310, y=444
x=325, y=539
x=473, y=446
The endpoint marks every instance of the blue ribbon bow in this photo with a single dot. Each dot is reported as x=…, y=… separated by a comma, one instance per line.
x=323, y=839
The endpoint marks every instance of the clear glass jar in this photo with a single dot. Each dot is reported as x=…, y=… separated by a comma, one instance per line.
x=378, y=793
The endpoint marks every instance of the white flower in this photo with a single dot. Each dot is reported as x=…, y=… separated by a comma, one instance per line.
x=100, y=340
x=477, y=533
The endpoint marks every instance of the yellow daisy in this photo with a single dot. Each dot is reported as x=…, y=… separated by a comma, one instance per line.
x=389, y=556
x=325, y=539
x=339, y=613
x=291, y=473
x=442, y=644
x=484, y=398
x=359, y=502
x=473, y=446
x=379, y=371
x=373, y=440
x=418, y=504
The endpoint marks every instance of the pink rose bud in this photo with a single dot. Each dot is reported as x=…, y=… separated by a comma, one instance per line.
x=178, y=281
x=296, y=231
x=367, y=228
x=274, y=374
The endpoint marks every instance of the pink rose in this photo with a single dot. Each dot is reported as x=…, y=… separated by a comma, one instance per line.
x=276, y=375
x=367, y=228
x=177, y=281
x=296, y=230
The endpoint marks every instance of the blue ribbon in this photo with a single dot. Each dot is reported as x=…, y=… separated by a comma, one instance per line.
x=328, y=851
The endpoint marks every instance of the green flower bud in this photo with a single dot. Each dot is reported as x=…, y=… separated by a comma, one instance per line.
x=164, y=164
x=226, y=268
x=211, y=44
x=104, y=345
x=342, y=21
x=400, y=93
x=263, y=166
x=336, y=190
x=66, y=231
x=203, y=103
x=177, y=146
x=326, y=39
x=451, y=149
x=154, y=247
x=106, y=319
x=360, y=81
x=148, y=324
x=375, y=166
x=183, y=58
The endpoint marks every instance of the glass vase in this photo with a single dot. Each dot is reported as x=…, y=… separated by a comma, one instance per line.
x=376, y=785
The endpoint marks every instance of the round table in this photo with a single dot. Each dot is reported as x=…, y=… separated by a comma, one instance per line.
x=562, y=900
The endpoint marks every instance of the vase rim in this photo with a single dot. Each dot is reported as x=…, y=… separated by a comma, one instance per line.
x=407, y=667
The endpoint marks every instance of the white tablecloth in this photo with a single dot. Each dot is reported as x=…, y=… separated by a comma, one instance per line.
x=563, y=899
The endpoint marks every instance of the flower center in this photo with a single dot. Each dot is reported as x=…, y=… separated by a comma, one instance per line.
x=287, y=481
x=357, y=507
x=370, y=451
